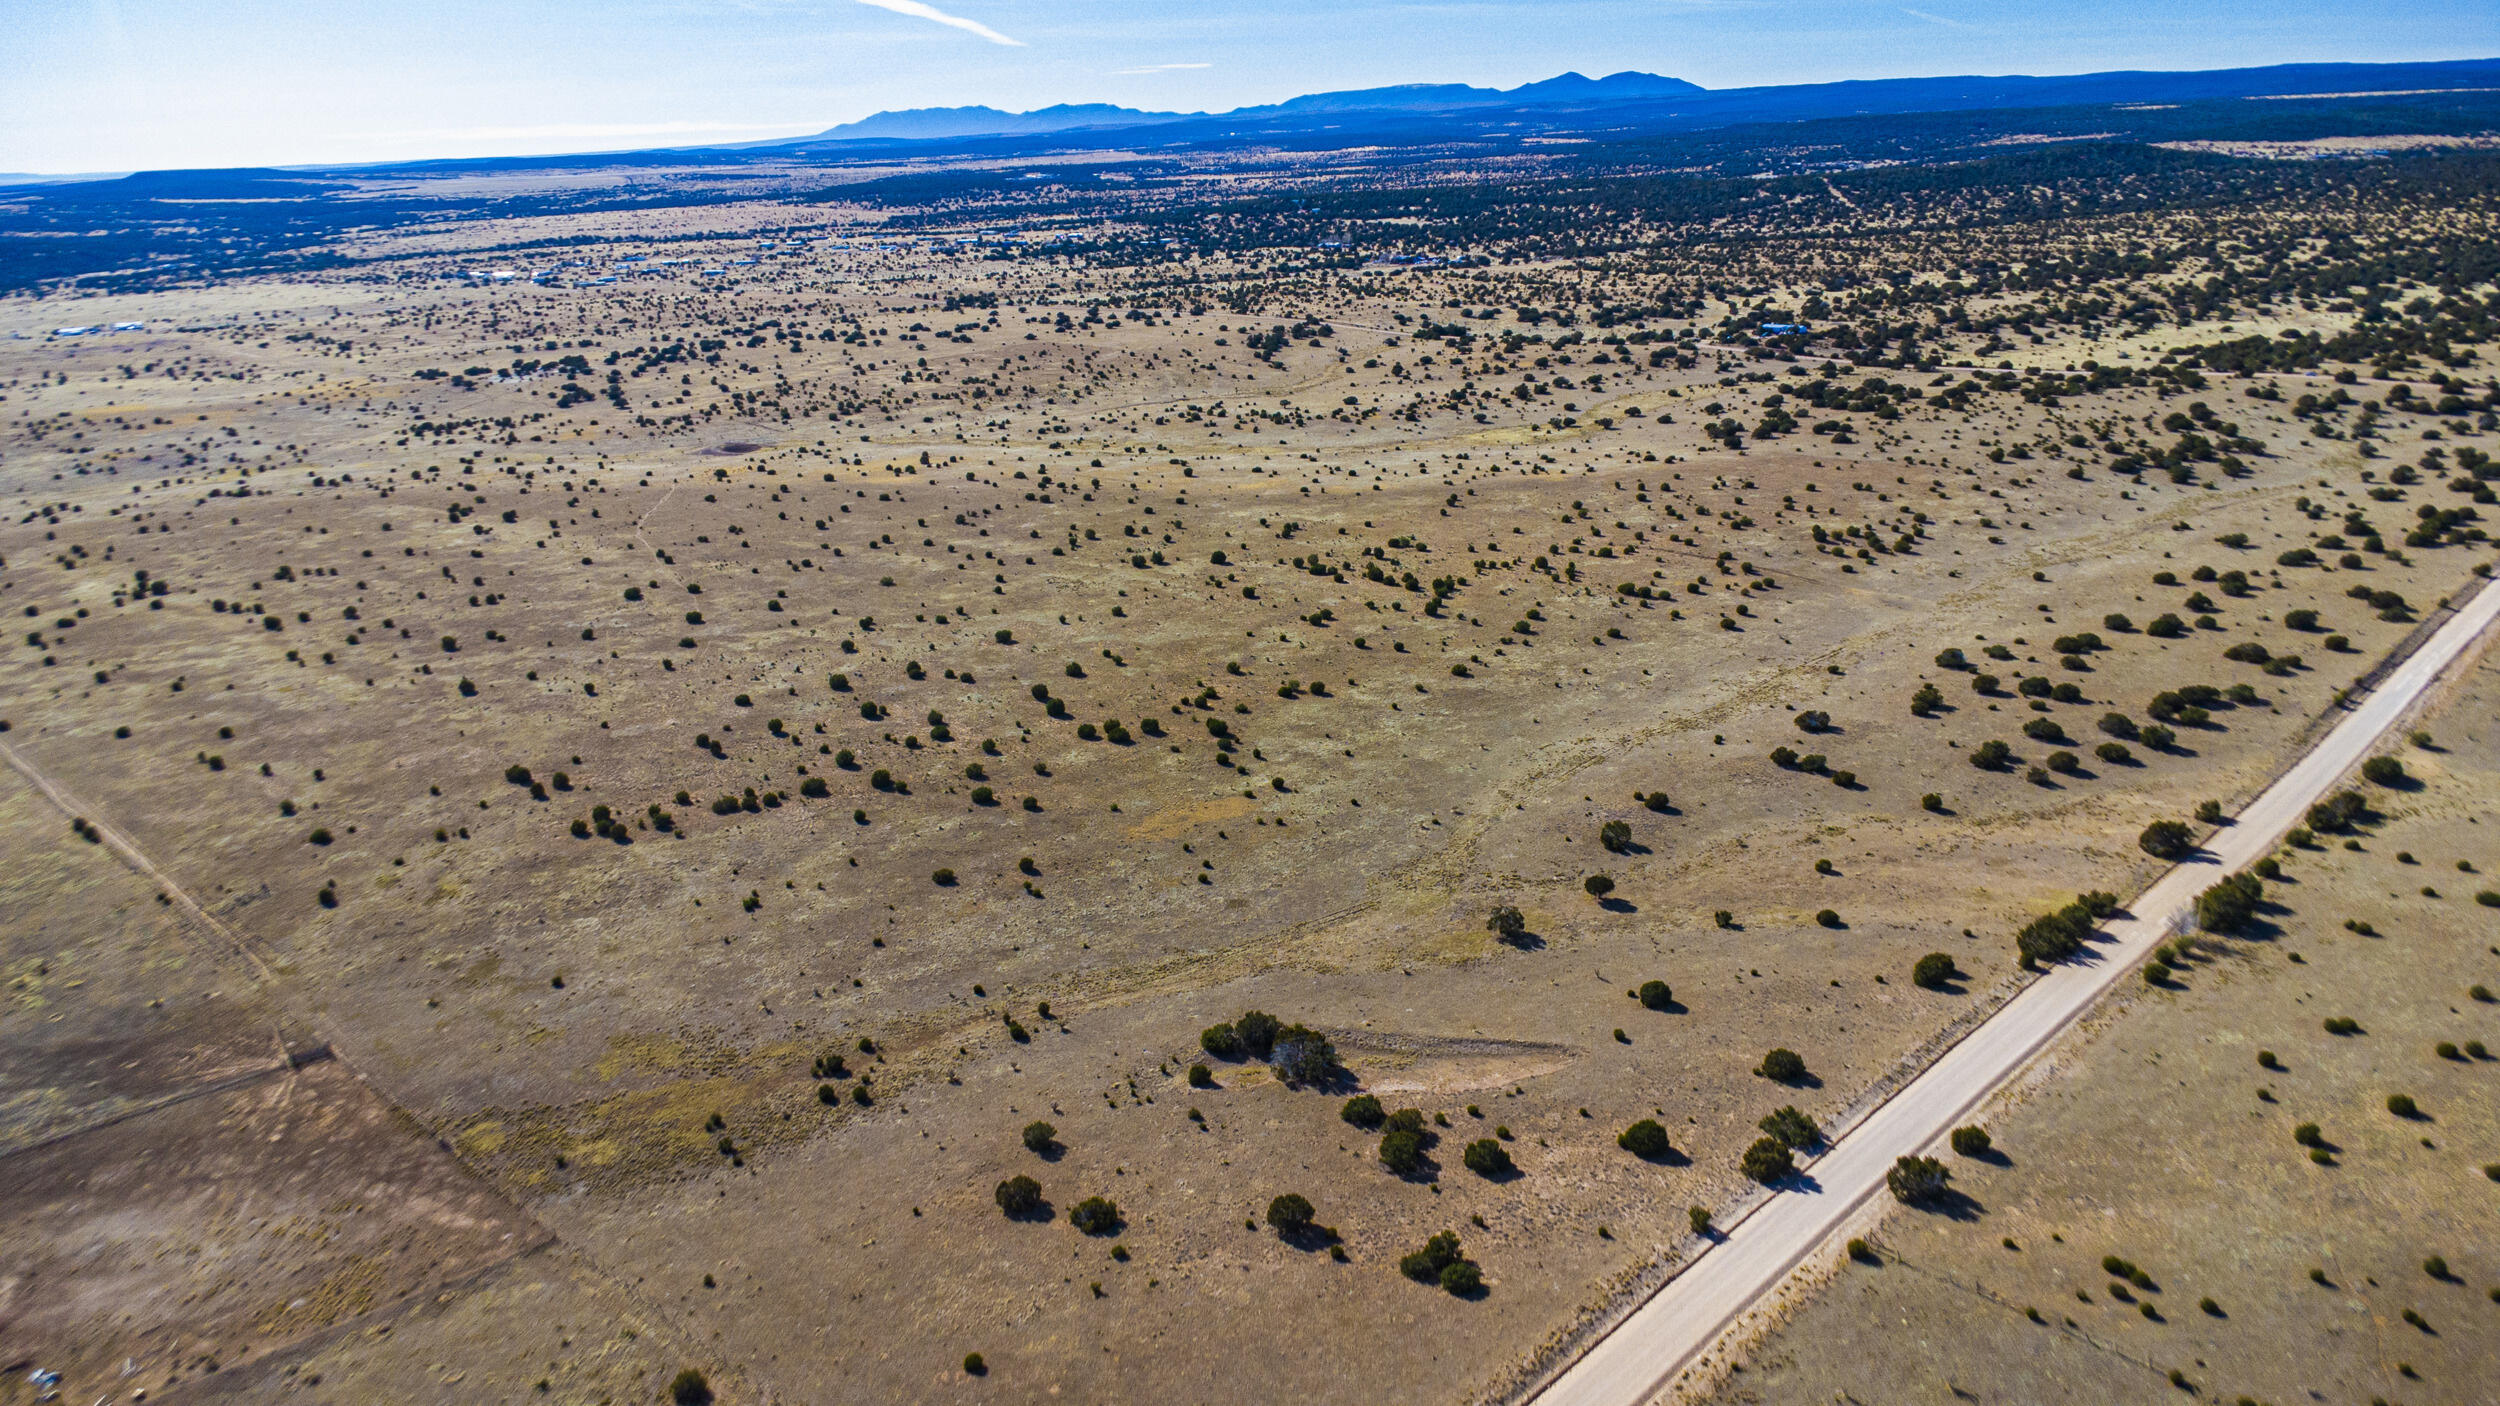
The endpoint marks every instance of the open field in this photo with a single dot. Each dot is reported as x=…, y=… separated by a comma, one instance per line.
x=2166, y=1137
x=717, y=754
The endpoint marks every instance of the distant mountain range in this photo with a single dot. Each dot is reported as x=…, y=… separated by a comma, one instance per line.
x=935, y=123
x=1626, y=102
x=1619, y=108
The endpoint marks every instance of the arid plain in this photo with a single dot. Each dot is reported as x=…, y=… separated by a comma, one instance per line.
x=603, y=811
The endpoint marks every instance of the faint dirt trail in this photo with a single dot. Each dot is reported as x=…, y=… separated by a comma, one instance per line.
x=127, y=850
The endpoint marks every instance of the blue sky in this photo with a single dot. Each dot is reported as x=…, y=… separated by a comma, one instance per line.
x=104, y=85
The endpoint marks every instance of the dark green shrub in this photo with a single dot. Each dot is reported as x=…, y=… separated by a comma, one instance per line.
x=1615, y=836
x=1829, y=918
x=1598, y=885
x=1019, y=1196
x=1462, y=1278
x=1201, y=1077
x=1991, y=755
x=2228, y=906
x=1402, y=1151
x=2167, y=839
x=2054, y=937
x=690, y=1388
x=1220, y=1041
x=1916, y=1179
x=1487, y=1158
x=2403, y=1106
x=1040, y=1137
x=1767, y=1160
x=1506, y=923
x=1645, y=1140
x=1290, y=1215
x=1782, y=1066
x=1934, y=971
x=2384, y=771
x=1656, y=995
x=1971, y=1142
x=1363, y=1111
x=1302, y=1055
x=2338, y=813
x=1095, y=1215
x=1257, y=1032
x=1425, y=1265
x=974, y=1366
x=1792, y=1127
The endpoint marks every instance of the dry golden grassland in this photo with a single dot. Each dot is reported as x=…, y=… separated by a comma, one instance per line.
x=724, y=822
x=2168, y=1137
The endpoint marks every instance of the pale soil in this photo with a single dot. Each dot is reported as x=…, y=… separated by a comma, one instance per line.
x=2151, y=1139
x=1353, y=900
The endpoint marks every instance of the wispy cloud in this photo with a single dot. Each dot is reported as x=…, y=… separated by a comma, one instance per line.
x=1160, y=68
x=932, y=13
x=1936, y=19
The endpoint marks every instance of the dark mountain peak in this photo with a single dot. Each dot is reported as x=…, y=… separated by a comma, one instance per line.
x=1575, y=87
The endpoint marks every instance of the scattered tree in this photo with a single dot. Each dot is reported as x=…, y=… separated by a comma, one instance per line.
x=1645, y=1140
x=1290, y=1215
x=1487, y=1158
x=1767, y=1160
x=1019, y=1196
x=2167, y=839
x=1792, y=1127
x=2229, y=905
x=1916, y=1179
